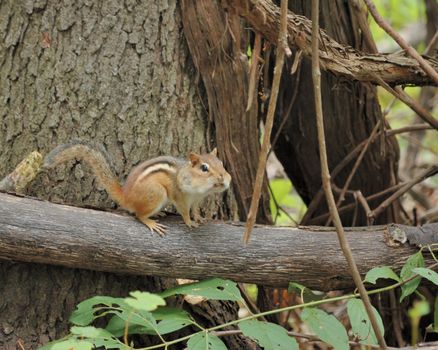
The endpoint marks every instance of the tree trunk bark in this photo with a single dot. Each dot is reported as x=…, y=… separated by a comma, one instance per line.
x=218, y=46
x=117, y=73
x=351, y=111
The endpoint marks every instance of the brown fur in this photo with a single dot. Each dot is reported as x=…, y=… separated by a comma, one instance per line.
x=153, y=183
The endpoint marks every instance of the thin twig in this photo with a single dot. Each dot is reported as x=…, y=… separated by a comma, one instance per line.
x=362, y=22
x=419, y=144
x=409, y=128
x=388, y=108
x=432, y=44
x=347, y=159
x=279, y=208
x=126, y=330
x=405, y=188
x=343, y=209
x=396, y=319
x=20, y=344
x=355, y=167
x=411, y=103
x=309, y=337
x=360, y=197
x=251, y=306
x=285, y=116
x=403, y=44
x=269, y=122
x=325, y=176
x=335, y=172
x=253, y=76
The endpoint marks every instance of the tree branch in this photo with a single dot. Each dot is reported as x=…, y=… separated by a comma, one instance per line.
x=403, y=44
x=264, y=17
x=263, y=157
x=325, y=176
x=42, y=232
x=433, y=170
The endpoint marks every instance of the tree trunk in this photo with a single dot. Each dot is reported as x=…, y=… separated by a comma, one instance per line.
x=117, y=73
x=219, y=54
x=351, y=111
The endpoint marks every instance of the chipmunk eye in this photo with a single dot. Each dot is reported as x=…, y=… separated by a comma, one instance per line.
x=204, y=167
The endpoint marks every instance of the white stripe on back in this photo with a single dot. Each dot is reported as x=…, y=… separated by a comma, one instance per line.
x=156, y=167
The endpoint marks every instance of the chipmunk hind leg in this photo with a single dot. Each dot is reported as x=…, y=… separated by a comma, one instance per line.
x=154, y=226
x=151, y=200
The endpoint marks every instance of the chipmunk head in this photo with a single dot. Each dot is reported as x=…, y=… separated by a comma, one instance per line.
x=207, y=174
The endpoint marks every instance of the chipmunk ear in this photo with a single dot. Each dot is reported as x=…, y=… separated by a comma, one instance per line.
x=214, y=152
x=194, y=158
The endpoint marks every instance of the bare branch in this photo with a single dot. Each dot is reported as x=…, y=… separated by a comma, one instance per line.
x=325, y=176
x=268, y=124
x=253, y=76
x=355, y=167
x=414, y=105
x=395, y=69
x=403, y=44
x=409, y=128
x=406, y=187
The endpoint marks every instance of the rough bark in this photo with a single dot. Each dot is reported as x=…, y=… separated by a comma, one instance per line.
x=428, y=95
x=218, y=48
x=351, y=111
x=212, y=250
x=115, y=72
x=264, y=17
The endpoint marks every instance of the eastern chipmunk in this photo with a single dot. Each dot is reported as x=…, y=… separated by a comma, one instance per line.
x=151, y=185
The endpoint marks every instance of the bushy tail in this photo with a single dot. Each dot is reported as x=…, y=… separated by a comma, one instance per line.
x=96, y=157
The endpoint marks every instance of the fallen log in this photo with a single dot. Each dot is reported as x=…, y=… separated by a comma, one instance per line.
x=37, y=231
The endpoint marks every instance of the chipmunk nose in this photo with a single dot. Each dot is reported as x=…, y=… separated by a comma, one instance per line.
x=226, y=180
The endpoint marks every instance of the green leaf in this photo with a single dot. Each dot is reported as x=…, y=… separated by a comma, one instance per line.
x=116, y=326
x=205, y=341
x=268, y=335
x=306, y=294
x=414, y=261
x=139, y=318
x=97, y=336
x=326, y=327
x=215, y=289
x=171, y=319
x=91, y=332
x=427, y=273
x=144, y=301
x=361, y=324
x=50, y=345
x=169, y=326
x=167, y=312
x=380, y=272
x=76, y=344
x=85, y=310
x=108, y=344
